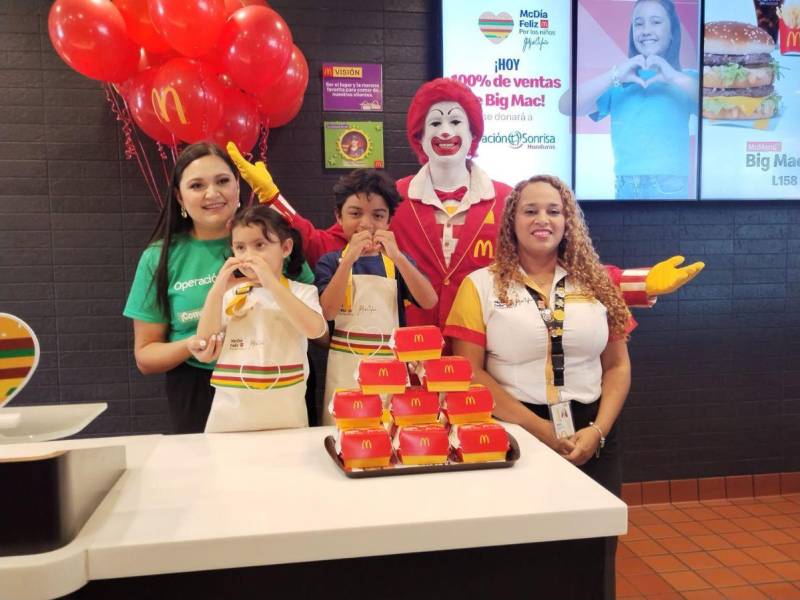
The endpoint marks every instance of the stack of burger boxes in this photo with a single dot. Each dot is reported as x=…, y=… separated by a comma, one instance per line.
x=445, y=419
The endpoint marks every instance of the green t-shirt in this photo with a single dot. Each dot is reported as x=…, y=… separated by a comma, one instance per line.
x=192, y=270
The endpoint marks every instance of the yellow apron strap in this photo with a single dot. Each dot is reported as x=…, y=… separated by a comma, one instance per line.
x=237, y=303
x=388, y=267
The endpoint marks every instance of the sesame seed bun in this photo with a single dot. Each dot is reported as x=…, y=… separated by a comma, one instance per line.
x=733, y=37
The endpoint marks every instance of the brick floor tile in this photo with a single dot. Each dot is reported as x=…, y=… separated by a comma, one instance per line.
x=730, y=512
x=704, y=595
x=633, y=566
x=679, y=544
x=640, y=516
x=761, y=510
x=781, y=521
x=766, y=554
x=745, y=592
x=650, y=584
x=791, y=550
x=664, y=563
x=646, y=547
x=733, y=557
x=721, y=577
x=700, y=514
x=752, y=524
x=698, y=560
x=780, y=591
x=625, y=588
x=685, y=581
x=788, y=570
x=634, y=533
x=710, y=542
x=662, y=531
x=758, y=574
x=742, y=539
x=692, y=528
x=773, y=536
x=722, y=526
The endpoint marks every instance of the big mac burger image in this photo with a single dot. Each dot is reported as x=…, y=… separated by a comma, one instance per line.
x=738, y=72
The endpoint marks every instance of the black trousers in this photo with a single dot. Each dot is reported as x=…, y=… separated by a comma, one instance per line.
x=189, y=395
x=605, y=470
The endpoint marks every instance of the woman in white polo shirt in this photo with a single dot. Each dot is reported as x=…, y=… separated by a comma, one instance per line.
x=547, y=291
x=546, y=330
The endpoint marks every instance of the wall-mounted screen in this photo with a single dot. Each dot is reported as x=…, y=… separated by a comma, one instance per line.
x=636, y=100
x=751, y=100
x=515, y=56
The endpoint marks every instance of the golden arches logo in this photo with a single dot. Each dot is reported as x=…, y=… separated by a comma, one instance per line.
x=449, y=369
x=418, y=338
x=383, y=372
x=793, y=39
x=470, y=401
x=425, y=442
x=415, y=401
x=159, y=101
x=484, y=248
x=366, y=444
x=358, y=404
x=483, y=440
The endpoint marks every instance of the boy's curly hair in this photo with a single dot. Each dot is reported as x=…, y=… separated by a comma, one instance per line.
x=576, y=254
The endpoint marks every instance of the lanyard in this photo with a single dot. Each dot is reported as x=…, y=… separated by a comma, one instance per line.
x=554, y=321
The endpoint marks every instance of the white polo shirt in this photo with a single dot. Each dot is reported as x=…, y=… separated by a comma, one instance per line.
x=517, y=343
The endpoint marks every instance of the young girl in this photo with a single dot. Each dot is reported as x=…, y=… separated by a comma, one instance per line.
x=260, y=375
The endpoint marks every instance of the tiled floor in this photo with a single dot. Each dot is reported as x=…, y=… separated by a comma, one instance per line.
x=733, y=549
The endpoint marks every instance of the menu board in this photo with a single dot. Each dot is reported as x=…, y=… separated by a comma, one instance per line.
x=636, y=100
x=751, y=100
x=516, y=59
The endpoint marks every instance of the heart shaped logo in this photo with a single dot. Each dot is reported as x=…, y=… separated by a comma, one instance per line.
x=496, y=28
x=19, y=356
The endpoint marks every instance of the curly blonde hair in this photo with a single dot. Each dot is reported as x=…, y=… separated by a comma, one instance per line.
x=576, y=254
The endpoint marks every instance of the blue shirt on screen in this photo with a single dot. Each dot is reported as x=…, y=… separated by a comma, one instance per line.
x=649, y=126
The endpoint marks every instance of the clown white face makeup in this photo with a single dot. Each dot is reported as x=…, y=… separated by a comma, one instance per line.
x=447, y=137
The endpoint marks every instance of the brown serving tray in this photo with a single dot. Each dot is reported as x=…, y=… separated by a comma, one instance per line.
x=399, y=469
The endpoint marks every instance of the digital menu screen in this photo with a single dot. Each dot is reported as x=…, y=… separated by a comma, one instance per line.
x=751, y=100
x=636, y=100
x=516, y=57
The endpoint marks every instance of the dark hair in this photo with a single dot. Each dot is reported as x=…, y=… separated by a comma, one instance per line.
x=170, y=222
x=368, y=181
x=272, y=223
x=673, y=53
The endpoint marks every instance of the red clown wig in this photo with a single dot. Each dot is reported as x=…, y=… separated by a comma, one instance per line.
x=442, y=90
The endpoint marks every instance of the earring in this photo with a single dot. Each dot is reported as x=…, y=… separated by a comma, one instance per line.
x=239, y=204
x=183, y=212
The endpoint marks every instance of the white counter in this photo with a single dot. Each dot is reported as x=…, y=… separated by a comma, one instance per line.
x=199, y=502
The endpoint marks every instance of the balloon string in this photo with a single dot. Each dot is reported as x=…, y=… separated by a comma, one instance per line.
x=123, y=116
x=163, y=156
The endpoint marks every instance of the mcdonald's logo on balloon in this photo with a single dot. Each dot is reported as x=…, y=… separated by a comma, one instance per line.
x=159, y=99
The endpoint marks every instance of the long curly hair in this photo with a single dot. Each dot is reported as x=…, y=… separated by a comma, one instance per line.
x=576, y=254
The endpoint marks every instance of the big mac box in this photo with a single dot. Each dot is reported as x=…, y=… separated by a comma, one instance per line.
x=473, y=406
x=447, y=374
x=415, y=406
x=353, y=409
x=382, y=376
x=479, y=442
x=364, y=448
x=417, y=343
x=422, y=444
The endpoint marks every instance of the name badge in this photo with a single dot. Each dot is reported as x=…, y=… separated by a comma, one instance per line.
x=561, y=418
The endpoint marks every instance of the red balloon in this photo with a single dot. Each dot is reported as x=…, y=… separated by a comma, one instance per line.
x=190, y=26
x=139, y=96
x=256, y=44
x=231, y=6
x=90, y=36
x=284, y=93
x=281, y=117
x=240, y=122
x=140, y=27
x=187, y=99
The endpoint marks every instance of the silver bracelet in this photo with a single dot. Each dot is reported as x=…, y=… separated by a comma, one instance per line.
x=602, y=438
x=615, y=77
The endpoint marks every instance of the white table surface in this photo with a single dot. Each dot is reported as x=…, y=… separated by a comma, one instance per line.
x=198, y=502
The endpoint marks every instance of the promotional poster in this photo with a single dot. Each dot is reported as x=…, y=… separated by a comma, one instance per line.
x=516, y=59
x=636, y=100
x=751, y=100
x=353, y=144
x=352, y=87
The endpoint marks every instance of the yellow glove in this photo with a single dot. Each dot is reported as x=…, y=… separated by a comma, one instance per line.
x=255, y=174
x=666, y=277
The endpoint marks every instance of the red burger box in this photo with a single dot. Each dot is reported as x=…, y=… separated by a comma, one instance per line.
x=365, y=448
x=353, y=409
x=422, y=444
x=415, y=406
x=447, y=374
x=382, y=376
x=417, y=343
x=479, y=442
x=473, y=406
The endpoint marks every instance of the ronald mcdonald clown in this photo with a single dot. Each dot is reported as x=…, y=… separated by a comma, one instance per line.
x=448, y=220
